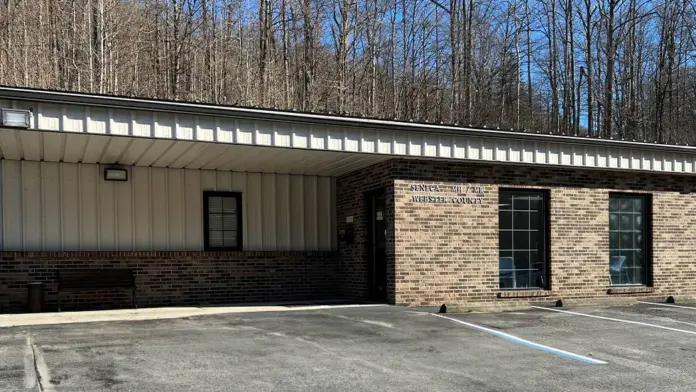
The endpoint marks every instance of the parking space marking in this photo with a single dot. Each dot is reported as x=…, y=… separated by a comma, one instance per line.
x=371, y=322
x=525, y=342
x=615, y=319
x=670, y=305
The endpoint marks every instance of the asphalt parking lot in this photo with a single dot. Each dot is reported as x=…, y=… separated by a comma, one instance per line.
x=643, y=347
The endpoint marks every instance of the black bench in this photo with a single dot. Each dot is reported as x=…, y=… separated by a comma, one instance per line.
x=96, y=279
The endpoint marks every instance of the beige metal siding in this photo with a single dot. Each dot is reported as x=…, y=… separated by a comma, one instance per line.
x=69, y=206
x=13, y=224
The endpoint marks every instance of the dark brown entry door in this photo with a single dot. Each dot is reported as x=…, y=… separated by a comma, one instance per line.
x=378, y=237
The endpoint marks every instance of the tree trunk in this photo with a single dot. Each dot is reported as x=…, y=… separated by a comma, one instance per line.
x=609, y=76
x=287, y=103
x=530, y=106
x=589, y=12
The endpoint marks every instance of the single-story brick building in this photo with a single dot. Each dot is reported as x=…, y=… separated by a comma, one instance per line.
x=212, y=204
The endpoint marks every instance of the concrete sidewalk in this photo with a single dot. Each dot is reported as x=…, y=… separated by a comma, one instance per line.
x=26, y=319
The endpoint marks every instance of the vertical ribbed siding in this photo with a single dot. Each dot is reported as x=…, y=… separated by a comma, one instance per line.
x=13, y=224
x=67, y=206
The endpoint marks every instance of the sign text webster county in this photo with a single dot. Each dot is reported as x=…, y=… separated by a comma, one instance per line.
x=464, y=194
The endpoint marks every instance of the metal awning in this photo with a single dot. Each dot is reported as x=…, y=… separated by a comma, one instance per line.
x=124, y=150
x=76, y=127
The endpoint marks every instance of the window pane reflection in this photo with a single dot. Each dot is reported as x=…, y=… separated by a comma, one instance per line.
x=627, y=239
x=522, y=236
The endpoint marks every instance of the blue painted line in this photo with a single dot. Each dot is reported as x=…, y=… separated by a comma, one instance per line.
x=527, y=343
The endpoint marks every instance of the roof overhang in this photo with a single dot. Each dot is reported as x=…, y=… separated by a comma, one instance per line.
x=139, y=151
x=105, y=129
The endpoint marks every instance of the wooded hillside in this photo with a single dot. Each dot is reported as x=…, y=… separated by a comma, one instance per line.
x=620, y=68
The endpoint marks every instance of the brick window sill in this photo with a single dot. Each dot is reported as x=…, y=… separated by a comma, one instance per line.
x=630, y=290
x=523, y=293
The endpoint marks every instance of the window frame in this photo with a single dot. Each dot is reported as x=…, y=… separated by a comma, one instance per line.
x=648, y=233
x=545, y=247
x=206, y=223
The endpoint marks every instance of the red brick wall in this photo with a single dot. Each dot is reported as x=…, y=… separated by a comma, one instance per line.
x=446, y=253
x=175, y=278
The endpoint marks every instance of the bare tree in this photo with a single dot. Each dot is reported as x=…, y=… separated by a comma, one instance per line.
x=621, y=68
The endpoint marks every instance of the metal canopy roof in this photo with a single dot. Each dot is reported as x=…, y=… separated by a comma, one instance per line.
x=195, y=108
x=179, y=130
x=124, y=150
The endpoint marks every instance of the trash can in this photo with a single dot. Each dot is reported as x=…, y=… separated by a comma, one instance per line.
x=36, y=297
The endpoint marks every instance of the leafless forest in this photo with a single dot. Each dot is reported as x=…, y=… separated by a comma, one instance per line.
x=610, y=68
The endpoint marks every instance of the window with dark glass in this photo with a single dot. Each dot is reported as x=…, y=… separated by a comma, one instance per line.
x=522, y=239
x=629, y=224
x=223, y=220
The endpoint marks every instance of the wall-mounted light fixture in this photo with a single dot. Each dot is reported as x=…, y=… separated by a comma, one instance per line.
x=115, y=174
x=16, y=118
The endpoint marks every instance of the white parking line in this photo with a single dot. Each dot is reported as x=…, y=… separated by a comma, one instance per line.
x=670, y=305
x=615, y=319
x=527, y=343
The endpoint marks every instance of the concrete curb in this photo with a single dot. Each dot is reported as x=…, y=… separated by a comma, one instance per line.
x=32, y=319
